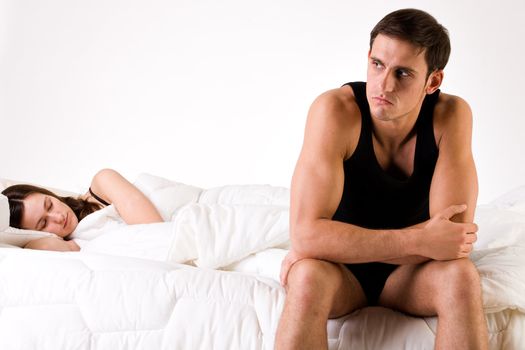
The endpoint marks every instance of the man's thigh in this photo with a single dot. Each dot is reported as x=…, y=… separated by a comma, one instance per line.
x=349, y=297
x=413, y=288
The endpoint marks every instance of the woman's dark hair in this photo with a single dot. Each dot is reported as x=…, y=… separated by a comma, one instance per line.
x=420, y=29
x=17, y=193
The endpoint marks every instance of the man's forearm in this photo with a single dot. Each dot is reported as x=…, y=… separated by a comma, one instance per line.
x=345, y=243
x=409, y=260
x=412, y=259
x=439, y=239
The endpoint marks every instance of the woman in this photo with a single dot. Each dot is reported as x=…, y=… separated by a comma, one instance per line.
x=35, y=208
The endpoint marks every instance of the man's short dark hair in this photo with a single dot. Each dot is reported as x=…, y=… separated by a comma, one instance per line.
x=420, y=29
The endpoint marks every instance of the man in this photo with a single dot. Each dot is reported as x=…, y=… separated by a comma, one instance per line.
x=383, y=197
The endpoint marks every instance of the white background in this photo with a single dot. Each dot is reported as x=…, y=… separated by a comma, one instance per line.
x=216, y=92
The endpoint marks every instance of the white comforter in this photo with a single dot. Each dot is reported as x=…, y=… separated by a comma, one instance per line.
x=207, y=228
x=84, y=301
x=114, y=295
x=244, y=228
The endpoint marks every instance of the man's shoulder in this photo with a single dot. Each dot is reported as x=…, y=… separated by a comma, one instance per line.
x=337, y=105
x=451, y=106
x=451, y=113
x=334, y=121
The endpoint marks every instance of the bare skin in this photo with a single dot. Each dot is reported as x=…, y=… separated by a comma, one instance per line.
x=437, y=250
x=46, y=213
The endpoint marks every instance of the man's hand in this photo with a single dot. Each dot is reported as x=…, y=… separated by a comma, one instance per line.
x=291, y=258
x=443, y=239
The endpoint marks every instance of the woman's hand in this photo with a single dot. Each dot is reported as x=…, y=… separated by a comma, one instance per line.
x=131, y=204
x=53, y=243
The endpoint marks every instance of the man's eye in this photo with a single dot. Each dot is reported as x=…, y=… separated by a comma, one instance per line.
x=402, y=73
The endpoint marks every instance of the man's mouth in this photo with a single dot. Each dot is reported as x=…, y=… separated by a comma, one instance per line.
x=382, y=100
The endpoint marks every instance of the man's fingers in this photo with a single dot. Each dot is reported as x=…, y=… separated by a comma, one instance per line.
x=285, y=266
x=471, y=238
x=470, y=227
x=453, y=210
x=467, y=249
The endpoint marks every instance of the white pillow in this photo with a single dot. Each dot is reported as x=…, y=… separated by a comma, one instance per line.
x=15, y=236
x=4, y=212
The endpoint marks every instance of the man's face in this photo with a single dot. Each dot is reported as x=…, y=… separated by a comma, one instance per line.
x=396, y=78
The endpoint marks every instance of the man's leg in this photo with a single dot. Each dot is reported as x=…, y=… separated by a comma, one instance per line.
x=449, y=289
x=316, y=290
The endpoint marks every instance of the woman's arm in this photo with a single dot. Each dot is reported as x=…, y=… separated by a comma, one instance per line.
x=132, y=205
x=52, y=243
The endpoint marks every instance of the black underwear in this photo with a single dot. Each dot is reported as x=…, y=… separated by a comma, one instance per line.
x=372, y=277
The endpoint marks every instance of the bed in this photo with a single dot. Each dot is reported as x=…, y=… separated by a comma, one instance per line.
x=208, y=278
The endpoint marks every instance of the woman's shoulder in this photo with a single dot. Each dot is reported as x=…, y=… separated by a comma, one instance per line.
x=92, y=197
x=104, y=181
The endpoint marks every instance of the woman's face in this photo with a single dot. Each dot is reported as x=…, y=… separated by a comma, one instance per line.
x=49, y=214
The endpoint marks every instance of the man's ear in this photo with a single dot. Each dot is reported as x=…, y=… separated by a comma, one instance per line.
x=434, y=81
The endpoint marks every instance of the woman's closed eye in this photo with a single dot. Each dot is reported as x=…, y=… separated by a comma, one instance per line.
x=42, y=223
x=48, y=205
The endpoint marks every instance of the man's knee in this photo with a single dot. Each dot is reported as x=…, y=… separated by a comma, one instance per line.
x=313, y=279
x=460, y=281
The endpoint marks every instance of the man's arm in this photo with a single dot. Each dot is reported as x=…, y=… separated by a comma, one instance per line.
x=317, y=186
x=412, y=259
x=455, y=179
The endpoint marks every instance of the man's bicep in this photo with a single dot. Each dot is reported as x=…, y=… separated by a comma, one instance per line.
x=455, y=179
x=317, y=187
x=455, y=184
x=318, y=179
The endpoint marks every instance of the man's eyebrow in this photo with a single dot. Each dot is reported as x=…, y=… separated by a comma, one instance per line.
x=408, y=69
x=376, y=59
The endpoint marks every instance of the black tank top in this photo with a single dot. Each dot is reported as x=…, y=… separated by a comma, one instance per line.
x=374, y=199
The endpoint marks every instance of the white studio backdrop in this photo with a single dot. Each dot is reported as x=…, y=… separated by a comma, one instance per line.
x=216, y=92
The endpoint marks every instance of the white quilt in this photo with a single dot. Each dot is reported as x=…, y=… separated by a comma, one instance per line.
x=127, y=290
x=223, y=227
x=208, y=228
x=84, y=301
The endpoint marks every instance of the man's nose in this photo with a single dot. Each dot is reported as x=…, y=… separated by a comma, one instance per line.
x=388, y=81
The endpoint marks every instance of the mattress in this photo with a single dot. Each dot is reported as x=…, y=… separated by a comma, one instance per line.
x=52, y=300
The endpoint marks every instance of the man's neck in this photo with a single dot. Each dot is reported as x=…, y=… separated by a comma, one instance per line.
x=392, y=135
